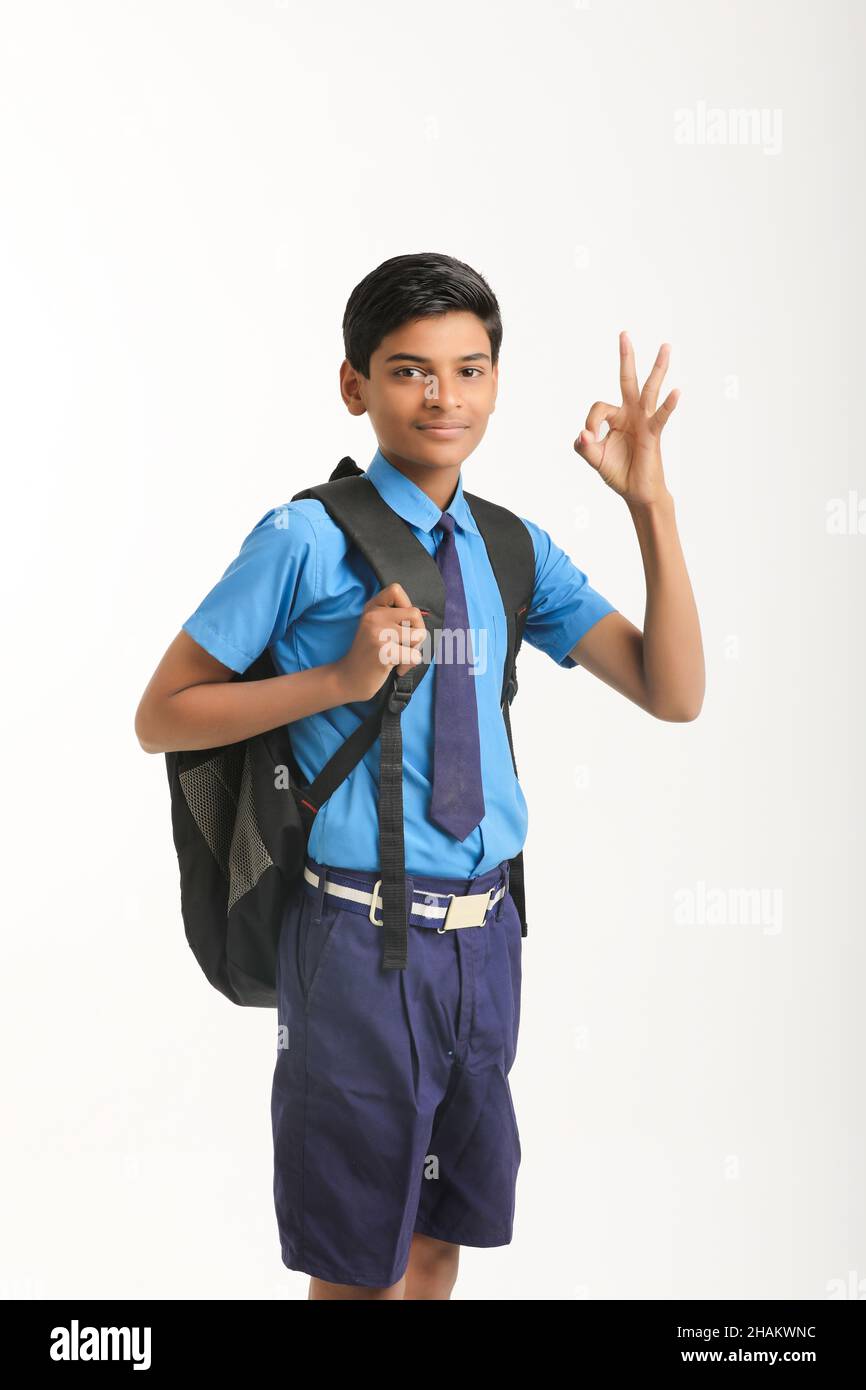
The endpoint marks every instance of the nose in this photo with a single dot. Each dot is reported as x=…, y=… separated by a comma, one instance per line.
x=443, y=393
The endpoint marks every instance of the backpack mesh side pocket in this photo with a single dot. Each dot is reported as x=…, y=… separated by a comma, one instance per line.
x=248, y=856
x=211, y=791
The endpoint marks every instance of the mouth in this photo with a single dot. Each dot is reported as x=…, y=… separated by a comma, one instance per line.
x=443, y=431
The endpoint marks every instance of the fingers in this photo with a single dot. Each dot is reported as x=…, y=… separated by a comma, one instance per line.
x=399, y=641
x=627, y=373
x=392, y=596
x=664, y=412
x=588, y=449
x=403, y=648
x=588, y=443
x=408, y=630
x=397, y=626
x=599, y=413
x=650, y=393
x=405, y=667
x=407, y=633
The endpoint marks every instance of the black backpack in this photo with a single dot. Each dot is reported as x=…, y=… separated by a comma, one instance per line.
x=242, y=813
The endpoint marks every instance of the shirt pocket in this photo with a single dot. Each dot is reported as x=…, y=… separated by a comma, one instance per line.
x=497, y=639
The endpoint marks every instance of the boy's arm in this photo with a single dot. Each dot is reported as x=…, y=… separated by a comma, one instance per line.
x=191, y=701
x=661, y=669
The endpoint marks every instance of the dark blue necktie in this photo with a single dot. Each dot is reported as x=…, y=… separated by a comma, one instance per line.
x=457, y=804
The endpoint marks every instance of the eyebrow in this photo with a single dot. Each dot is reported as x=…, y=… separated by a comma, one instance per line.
x=410, y=357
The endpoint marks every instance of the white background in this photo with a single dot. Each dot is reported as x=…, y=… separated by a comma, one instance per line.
x=189, y=193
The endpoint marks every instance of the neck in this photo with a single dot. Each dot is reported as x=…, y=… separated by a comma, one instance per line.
x=440, y=484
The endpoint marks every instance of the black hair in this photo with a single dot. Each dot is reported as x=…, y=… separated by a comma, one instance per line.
x=411, y=287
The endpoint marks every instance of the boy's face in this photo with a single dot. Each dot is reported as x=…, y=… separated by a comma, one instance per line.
x=430, y=372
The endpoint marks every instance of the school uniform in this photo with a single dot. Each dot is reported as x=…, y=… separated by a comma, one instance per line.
x=391, y=1107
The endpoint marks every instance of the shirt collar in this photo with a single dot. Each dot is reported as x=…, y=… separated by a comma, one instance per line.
x=411, y=503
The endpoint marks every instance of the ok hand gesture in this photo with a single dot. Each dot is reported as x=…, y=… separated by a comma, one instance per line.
x=629, y=456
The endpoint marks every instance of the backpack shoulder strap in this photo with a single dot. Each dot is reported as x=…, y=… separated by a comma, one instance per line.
x=394, y=554
x=512, y=559
x=386, y=542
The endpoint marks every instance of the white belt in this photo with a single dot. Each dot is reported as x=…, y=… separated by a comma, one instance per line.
x=463, y=910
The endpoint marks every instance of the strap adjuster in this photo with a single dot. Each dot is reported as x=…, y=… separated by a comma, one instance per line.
x=399, y=696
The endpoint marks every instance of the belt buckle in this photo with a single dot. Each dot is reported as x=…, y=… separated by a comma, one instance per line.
x=463, y=910
x=376, y=886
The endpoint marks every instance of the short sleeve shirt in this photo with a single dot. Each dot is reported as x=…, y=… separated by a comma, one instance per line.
x=298, y=587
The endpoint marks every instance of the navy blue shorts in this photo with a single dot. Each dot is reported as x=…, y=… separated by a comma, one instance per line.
x=391, y=1107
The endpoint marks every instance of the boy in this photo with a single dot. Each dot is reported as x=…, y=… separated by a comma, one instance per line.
x=395, y=1138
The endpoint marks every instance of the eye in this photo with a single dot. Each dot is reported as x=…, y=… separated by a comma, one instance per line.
x=476, y=371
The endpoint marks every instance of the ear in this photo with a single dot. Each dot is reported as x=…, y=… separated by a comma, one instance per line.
x=351, y=389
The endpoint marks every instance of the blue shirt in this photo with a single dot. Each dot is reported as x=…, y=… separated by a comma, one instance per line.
x=298, y=588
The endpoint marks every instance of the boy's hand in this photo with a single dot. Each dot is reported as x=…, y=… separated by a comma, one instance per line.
x=390, y=631
x=629, y=456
